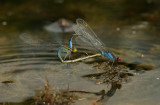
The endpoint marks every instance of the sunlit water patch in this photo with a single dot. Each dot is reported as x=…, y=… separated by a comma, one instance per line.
x=25, y=68
x=27, y=64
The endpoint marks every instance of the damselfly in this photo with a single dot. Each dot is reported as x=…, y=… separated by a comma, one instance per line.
x=39, y=43
x=65, y=49
x=86, y=34
x=71, y=49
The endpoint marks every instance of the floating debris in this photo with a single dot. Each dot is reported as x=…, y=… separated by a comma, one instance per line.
x=111, y=75
x=51, y=97
x=61, y=25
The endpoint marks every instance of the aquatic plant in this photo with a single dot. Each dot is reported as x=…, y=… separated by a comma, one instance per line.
x=51, y=97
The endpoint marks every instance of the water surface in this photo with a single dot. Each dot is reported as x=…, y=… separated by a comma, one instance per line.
x=26, y=65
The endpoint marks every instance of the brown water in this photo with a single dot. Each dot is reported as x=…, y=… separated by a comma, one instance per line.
x=26, y=64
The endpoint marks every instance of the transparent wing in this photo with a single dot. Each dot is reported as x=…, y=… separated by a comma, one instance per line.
x=43, y=44
x=37, y=42
x=30, y=39
x=86, y=34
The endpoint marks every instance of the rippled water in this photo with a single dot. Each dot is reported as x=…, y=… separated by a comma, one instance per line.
x=26, y=66
x=130, y=29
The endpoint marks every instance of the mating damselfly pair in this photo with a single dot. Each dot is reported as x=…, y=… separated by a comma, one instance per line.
x=83, y=32
x=86, y=34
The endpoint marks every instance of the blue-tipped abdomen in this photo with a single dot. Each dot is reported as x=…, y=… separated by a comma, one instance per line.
x=70, y=44
x=108, y=54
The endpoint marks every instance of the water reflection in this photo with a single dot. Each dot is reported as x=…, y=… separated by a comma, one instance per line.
x=61, y=25
x=132, y=33
x=35, y=59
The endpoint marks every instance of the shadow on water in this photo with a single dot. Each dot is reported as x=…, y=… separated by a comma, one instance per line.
x=32, y=74
x=34, y=62
x=26, y=65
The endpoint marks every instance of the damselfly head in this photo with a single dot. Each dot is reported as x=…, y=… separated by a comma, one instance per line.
x=118, y=59
x=74, y=50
